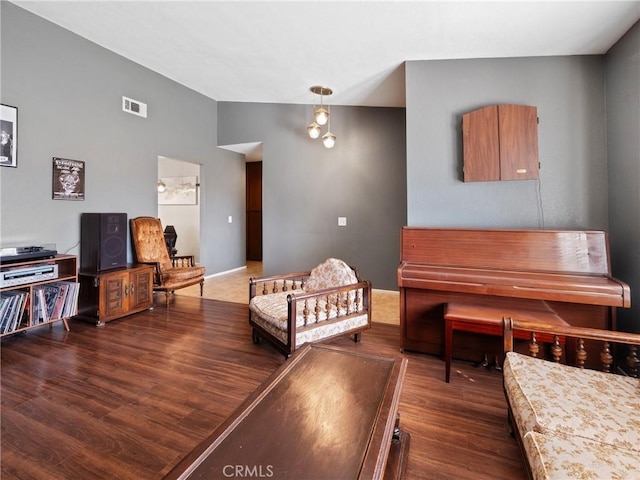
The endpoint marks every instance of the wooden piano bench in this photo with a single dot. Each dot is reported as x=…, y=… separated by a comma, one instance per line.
x=487, y=319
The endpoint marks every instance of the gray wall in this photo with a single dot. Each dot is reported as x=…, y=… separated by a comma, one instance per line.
x=68, y=92
x=568, y=92
x=307, y=187
x=588, y=148
x=623, y=127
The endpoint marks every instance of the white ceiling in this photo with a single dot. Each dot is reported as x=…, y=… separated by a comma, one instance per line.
x=267, y=51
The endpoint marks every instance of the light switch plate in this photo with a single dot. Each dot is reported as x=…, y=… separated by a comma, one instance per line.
x=342, y=221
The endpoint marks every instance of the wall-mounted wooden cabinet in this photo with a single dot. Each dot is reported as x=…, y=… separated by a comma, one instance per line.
x=500, y=142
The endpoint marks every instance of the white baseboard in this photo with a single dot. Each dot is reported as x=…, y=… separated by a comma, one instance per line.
x=379, y=290
x=225, y=272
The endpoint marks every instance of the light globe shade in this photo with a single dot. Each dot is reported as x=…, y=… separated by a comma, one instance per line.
x=329, y=140
x=161, y=186
x=314, y=130
x=321, y=116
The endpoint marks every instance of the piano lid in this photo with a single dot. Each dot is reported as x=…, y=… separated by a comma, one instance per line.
x=593, y=289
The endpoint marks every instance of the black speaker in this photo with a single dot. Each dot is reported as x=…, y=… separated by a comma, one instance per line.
x=103, y=241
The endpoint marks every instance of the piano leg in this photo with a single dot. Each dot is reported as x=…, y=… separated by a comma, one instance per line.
x=484, y=362
x=496, y=364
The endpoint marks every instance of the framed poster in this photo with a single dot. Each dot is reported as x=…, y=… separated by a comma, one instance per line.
x=177, y=191
x=8, y=136
x=68, y=179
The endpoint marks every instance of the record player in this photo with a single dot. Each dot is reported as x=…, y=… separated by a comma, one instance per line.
x=26, y=253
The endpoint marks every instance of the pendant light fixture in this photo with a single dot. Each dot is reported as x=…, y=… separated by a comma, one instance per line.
x=314, y=130
x=321, y=116
x=329, y=139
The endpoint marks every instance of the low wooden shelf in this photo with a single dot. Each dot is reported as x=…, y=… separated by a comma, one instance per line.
x=28, y=318
x=113, y=294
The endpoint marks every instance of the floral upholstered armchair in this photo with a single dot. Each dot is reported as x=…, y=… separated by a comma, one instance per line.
x=296, y=308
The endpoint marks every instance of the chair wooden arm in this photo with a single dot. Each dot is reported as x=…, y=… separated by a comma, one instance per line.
x=180, y=261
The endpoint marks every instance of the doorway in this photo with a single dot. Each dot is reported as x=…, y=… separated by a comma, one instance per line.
x=253, y=158
x=254, y=211
x=179, y=204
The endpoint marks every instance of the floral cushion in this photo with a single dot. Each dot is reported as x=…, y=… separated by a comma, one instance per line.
x=314, y=332
x=274, y=309
x=551, y=398
x=332, y=273
x=562, y=457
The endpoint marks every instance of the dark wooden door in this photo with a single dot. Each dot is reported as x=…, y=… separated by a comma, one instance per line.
x=254, y=211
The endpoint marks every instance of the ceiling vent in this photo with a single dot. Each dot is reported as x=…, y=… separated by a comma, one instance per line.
x=134, y=106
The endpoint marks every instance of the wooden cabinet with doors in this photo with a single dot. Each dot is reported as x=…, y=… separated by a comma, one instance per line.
x=500, y=142
x=106, y=296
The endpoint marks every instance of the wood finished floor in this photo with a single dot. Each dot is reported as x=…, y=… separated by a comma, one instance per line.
x=129, y=400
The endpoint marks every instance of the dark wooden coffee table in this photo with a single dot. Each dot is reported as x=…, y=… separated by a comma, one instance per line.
x=327, y=413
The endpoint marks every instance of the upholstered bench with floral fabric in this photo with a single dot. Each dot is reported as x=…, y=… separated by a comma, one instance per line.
x=571, y=421
x=296, y=308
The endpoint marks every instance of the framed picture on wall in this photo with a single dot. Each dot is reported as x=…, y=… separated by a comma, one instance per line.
x=178, y=191
x=9, y=136
x=68, y=179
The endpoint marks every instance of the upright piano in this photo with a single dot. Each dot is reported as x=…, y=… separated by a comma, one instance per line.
x=568, y=270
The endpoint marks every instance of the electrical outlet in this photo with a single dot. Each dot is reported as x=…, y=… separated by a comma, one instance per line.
x=230, y=219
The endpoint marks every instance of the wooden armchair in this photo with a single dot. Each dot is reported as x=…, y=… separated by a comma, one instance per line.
x=296, y=308
x=149, y=246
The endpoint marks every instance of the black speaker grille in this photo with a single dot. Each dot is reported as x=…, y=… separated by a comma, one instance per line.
x=113, y=247
x=103, y=241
